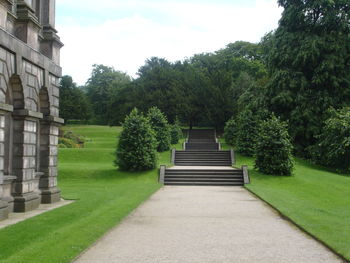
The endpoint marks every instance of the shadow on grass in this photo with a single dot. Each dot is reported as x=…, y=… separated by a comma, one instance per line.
x=312, y=166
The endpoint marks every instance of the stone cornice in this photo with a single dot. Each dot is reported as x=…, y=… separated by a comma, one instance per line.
x=26, y=14
x=17, y=46
x=54, y=119
x=28, y=113
x=6, y=107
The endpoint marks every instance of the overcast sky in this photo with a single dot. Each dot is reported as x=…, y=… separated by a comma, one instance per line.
x=124, y=33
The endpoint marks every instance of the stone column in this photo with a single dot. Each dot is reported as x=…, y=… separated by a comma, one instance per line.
x=49, y=130
x=26, y=187
x=27, y=25
x=50, y=44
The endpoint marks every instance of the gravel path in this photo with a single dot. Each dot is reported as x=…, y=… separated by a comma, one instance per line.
x=206, y=224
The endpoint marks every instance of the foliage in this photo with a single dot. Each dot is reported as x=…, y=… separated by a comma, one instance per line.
x=230, y=131
x=161, y=128
x=66, y=143
x=74, y=104
x=175, y=132
x=137, y=144
x=201, y=91
x=333, y=147
x=308, y=58
x=102, y=88
x=273, y=149
x=68, y=139
x=247, y=128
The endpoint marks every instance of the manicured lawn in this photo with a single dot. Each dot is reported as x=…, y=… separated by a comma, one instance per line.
x=104, y=197
x=316, y=199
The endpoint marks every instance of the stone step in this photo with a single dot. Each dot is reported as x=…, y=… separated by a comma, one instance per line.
x=203, y=178
x=204, y=172
x=204, y=183
x=202, y=164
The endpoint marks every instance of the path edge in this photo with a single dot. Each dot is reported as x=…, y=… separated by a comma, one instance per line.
x=115, y=226
x=287, y=218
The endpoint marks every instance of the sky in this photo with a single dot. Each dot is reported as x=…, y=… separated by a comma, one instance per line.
x=124, y=34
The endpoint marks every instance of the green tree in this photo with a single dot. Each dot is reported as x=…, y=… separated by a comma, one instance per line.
x=273, y=149
x=333, y=146
x=309, y=59
x=247, y=132
x=161, y=128
x=137, y=144
x=73, y=101
x=102, y=88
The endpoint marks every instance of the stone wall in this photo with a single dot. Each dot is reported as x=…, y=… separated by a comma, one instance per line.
x=29, y=105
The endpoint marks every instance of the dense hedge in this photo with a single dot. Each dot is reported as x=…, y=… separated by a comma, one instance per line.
x=160, y=125
x=273, y=149
x=136, y=149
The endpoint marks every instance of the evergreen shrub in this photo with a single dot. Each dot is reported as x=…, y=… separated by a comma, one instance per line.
x=273, y=149
x=175, y=132
x=229, y=131
x=247, y=130
x=137, y=144
x=159, y=124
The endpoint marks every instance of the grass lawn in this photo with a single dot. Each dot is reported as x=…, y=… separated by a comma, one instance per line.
x=315, y=198
x=104, y=197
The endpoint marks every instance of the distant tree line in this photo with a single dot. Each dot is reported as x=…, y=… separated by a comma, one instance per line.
x=298, y=74
x=202, y=90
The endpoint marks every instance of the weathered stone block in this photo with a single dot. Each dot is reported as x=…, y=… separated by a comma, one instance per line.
x=48, y=182
x=30, y=126
x=2, y=135
x=53, y=140
x=4, y=210
x=26, y=203
x=29, y=138
x=54, y=130
x=2, y=121
x=50, y=196
x=2, y=149
x=53, y=161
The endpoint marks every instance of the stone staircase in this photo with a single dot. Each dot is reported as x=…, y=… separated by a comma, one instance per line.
x=188, y=176
x=201, y=162
x=202, y=158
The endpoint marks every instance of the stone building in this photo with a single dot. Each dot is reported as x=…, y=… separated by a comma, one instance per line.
x=29, y=104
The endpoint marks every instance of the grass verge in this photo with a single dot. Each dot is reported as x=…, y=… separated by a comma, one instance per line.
x=104, y=197
x=314, y=198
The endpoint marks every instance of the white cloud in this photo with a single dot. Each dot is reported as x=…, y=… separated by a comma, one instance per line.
x=189, y=28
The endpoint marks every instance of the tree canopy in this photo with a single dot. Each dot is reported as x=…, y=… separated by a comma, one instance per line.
x=308, y=58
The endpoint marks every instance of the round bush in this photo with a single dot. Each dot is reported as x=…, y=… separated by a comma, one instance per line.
x=136, y=149
x=273, y=149
x=161, y=128
x=229, y=131
x=333, y=147
x=247, y=129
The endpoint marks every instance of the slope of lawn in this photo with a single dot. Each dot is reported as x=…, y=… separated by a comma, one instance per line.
x=104, y=196
x=315, y=198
